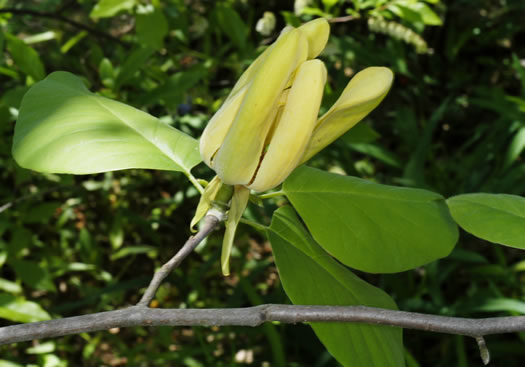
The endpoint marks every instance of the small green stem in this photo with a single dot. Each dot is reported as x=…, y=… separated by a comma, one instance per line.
x=272, y=194
x=195, y=182
x=255, y=225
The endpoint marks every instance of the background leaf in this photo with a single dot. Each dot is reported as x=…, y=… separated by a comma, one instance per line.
x=25, y=57
x=372, y=227
x=497, y=218
x=19, y=310
x=311, y=277
x=108, y=8
x=64, y=128
x=151, y=28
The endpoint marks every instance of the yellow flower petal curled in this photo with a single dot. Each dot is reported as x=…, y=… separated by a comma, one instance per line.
x=219, y=125
x=317, y=32
x=364, y=92
x=238, y=157
x=293, y=128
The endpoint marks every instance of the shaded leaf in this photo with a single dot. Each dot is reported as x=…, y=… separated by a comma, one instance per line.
x=33, y=275
x=151, y=28
x=25, y=57
x=310, y=276
x=134, y=61
x=231, y=23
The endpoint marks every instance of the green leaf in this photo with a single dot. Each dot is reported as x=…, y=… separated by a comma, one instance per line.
x=5, y=363
x=134, y=61
x=498, y=218
x=360, y=133
x=41, y=213
x=377, y=152
x=517, y=145
x=231, y=23
x=428, y=15
x=372, y=227
x=108, y=8
x=9, y=286
x=501, y=304
x=405, y=13
x=106, y=72
x=310, y=276
x=25, y=57
x=33, y=275
x=64, y=128
x=174, y=88
x=19, y=310
x=134, y=250
x=151, y=28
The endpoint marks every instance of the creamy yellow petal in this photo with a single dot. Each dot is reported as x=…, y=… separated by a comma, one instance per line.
x=239, y=201
x=219, y=125
x=317, y=32
x=239, y=154
x=364, y=93
x=294, y=129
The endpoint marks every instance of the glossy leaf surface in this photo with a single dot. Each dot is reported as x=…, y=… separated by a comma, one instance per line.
x=64, y=128
x=372, y=227
x=498, y=218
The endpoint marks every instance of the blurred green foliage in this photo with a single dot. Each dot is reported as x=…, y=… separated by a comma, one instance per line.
x=454, y=123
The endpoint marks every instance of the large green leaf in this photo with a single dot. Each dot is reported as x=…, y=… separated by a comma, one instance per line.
x=310, y=276
x=372, y=227
x=64, y=128
x=498, y=218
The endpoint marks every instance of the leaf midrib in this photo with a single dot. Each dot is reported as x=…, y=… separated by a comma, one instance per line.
x=521, y=216
x=126, y=122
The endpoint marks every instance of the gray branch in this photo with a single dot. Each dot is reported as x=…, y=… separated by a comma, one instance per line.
x=210, y=222
x=254, y=316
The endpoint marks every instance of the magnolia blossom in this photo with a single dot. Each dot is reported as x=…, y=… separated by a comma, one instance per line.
x=269, y=123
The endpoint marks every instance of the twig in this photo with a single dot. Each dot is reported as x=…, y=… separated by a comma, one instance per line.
x=64, y=19
x=483, y=350
x=255, y=316
x=210, y=222
x=342, y=19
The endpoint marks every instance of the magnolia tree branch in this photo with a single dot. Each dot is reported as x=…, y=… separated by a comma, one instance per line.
x=210, y=222
x=255, y=316
x=142, y=315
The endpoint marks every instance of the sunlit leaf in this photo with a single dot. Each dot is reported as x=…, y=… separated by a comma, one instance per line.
x=108, y=8
x=18, y=309
x=64, y=128
x=498, y=218
x=372, y=227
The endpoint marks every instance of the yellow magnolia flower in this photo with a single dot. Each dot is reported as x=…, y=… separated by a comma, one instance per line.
x=269, y=123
